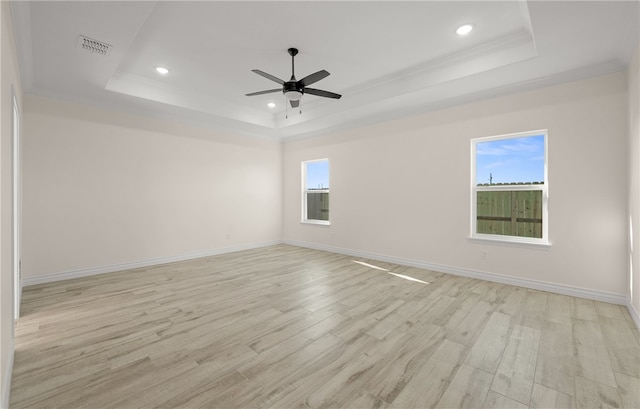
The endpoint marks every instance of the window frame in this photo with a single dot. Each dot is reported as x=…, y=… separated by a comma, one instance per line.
x=544, y=188
x=306, y=191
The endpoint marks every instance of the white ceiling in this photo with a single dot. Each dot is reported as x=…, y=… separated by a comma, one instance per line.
x=387, y=59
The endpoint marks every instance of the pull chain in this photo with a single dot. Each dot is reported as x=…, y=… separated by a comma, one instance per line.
x=286, y=107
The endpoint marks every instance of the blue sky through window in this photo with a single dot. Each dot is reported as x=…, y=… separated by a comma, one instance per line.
x=510, y=160
x=318, y=174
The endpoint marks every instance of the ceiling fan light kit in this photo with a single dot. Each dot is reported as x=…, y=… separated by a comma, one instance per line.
x=293, y=95
x=293, y=89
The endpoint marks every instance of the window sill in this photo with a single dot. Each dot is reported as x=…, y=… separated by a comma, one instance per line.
x=511, y=241
x=317, y=222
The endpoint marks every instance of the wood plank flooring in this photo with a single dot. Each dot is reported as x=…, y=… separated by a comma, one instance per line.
x=287, y=327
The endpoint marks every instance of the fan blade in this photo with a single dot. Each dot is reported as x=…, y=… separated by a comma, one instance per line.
x=295, y=104
x=315, y=77
x=269, y=91
x=269, y=76
x=322, y=93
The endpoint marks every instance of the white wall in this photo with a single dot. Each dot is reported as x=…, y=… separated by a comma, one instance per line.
x=10, y=80
x=402, y=189
x=106, y=189
x=633, y=284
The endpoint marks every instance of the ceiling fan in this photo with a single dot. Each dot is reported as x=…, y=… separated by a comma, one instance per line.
x=294, y=89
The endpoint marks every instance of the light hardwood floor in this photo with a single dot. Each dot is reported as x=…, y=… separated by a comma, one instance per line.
x=286, y=327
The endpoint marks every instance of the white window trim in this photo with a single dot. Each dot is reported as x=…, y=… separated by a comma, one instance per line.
x=16, y=193
x=544, y=241
x=303, y=181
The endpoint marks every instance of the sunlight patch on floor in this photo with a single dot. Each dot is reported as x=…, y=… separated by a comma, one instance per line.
x=370, y=265
x=406, y=277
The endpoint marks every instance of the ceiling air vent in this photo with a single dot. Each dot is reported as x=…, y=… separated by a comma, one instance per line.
x=94, y=46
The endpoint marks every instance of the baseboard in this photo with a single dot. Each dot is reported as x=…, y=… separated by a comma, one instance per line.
x=6, y=380
x=86, y=272
x=481, y=275
x=634, y=314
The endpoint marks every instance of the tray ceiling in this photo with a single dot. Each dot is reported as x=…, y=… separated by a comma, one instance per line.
x=387, y=59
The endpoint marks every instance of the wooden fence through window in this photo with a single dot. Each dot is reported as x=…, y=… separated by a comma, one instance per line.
x=317, y=205
x=510, y=212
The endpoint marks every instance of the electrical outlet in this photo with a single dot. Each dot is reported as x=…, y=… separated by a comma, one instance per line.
x=483, y=255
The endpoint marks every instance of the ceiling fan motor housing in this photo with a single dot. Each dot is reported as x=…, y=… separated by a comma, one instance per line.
x=292, y=90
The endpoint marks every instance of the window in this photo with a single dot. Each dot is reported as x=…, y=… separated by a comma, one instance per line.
x=509, y=188
x=315, y=191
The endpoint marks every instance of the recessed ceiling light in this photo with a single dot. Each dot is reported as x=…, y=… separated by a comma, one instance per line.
x=271, y=104
x=464, y=30
x=162, y=70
